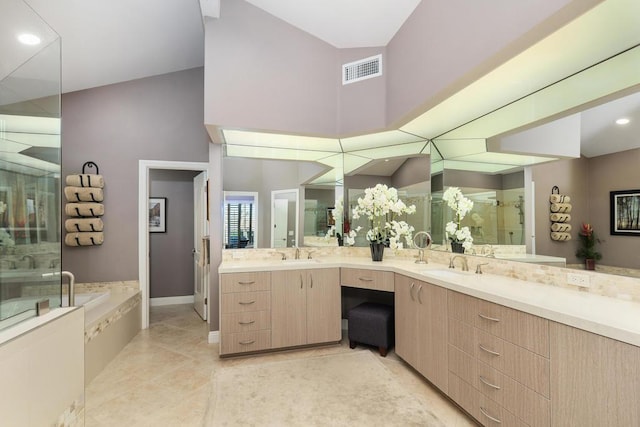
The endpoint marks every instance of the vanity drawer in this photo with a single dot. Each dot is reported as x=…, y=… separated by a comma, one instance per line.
x=517, y=327
x=367, y=279
x=518, y=363
x=242, y=342
x=525, y=403
x=239, y=302
x=483, y=409
x=245, y=282
x=243, y=322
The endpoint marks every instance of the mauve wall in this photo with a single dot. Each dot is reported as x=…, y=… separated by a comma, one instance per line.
x=171, y=259
x=263, y=73
x=156, y=118
x=445, y=45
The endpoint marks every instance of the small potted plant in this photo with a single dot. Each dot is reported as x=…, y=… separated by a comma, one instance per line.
x=381, y=206
x=587, y=250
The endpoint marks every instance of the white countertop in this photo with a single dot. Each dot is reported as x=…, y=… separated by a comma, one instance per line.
x=609, y=317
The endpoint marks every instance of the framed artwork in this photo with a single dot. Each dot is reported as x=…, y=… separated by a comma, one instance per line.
x=625, y=212
x=157, y=214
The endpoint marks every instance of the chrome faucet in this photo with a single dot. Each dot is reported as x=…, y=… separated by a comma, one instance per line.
x=309, y=254
x=479, y=267
x=53, y=263
x=32, y=262
x=297, y=252
x=465, y=266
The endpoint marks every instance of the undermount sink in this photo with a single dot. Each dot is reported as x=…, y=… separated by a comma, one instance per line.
x=300, y=261
x=449, y=273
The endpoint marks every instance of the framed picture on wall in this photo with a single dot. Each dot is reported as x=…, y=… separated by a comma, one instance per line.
x=157, y=214
x=625, y=212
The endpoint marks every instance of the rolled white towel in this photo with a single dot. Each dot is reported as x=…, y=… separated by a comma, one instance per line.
x=86, y=210
x=560, y=207
x=561, y=227
x=83, y=194
x=83, y=224
x=85, y=180
x=559, y=198
x=560, y=217
x=84, y=239
x=561, y=237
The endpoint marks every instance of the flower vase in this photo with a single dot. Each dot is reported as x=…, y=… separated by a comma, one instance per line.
x=457, y=247
x=377, y=250
x=590, y=264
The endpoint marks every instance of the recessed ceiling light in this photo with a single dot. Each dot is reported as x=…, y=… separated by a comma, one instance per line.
x=29, y=39
x=622, y=121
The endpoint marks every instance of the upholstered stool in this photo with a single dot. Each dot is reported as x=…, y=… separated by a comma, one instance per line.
x=372, y=324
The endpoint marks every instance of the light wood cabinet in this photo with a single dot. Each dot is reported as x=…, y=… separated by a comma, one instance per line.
x=367, y=279
x=245, y=312
x=421, y=328
x=595, y=381
x=305, y=307
x=499, y=362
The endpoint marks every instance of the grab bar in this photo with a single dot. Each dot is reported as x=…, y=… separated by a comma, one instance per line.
x=72, y=284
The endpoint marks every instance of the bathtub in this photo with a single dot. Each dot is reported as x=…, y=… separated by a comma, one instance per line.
x=17, y=310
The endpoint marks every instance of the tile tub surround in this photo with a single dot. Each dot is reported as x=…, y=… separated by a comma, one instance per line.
x=520, y=286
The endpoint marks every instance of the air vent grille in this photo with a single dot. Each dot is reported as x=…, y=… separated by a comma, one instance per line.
x=362, y=69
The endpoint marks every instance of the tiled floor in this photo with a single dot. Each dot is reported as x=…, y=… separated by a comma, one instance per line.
x=163, y=376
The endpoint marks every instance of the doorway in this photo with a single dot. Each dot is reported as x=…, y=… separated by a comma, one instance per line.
x=284, y=218
x=144, y=168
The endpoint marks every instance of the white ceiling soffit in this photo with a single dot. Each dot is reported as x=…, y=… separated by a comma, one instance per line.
x=110, y=41
x=609, y=28
x=343, y=23
x=601, y=135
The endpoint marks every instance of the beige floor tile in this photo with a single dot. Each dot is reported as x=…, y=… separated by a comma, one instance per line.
x=163, y=376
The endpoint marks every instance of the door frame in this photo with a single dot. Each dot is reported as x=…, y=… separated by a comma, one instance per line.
x=296, y=191
x=144, y=167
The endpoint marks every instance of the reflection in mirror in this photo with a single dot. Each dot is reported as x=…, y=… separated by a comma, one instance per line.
x=284, y=218
x=29, y=165
x=409, y=175
x=240, y=219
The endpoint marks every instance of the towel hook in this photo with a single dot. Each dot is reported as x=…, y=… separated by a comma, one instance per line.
x=555, y=190
x=90, y=165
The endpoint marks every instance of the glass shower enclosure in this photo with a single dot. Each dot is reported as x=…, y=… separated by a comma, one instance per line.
x=30, y=202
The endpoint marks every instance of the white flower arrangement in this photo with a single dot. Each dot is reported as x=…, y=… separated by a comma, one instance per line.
x=461, y=206
x=381, y=205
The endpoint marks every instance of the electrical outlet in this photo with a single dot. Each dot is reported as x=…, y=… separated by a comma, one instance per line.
x=578, y=279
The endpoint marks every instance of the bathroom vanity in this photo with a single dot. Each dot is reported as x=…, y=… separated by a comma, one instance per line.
x=508, y=351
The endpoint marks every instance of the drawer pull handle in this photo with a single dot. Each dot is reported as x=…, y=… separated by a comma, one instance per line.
x=250, y=282
x=411, y=291
x=251, y=322
x=246, y=342
x=495, y=353
x=484, y=412
x=365, y=279
x=493, y=319
x=485, y=382
x=419, y=292
x=247, y=303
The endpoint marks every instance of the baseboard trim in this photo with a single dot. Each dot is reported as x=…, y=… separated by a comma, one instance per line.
x=214, y=337
x=186, y=299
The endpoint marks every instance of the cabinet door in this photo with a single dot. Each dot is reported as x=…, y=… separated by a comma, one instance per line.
x=323, y=306
x=288, y=308
x=406, y=320
x=595, y=381
x=432, y=333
